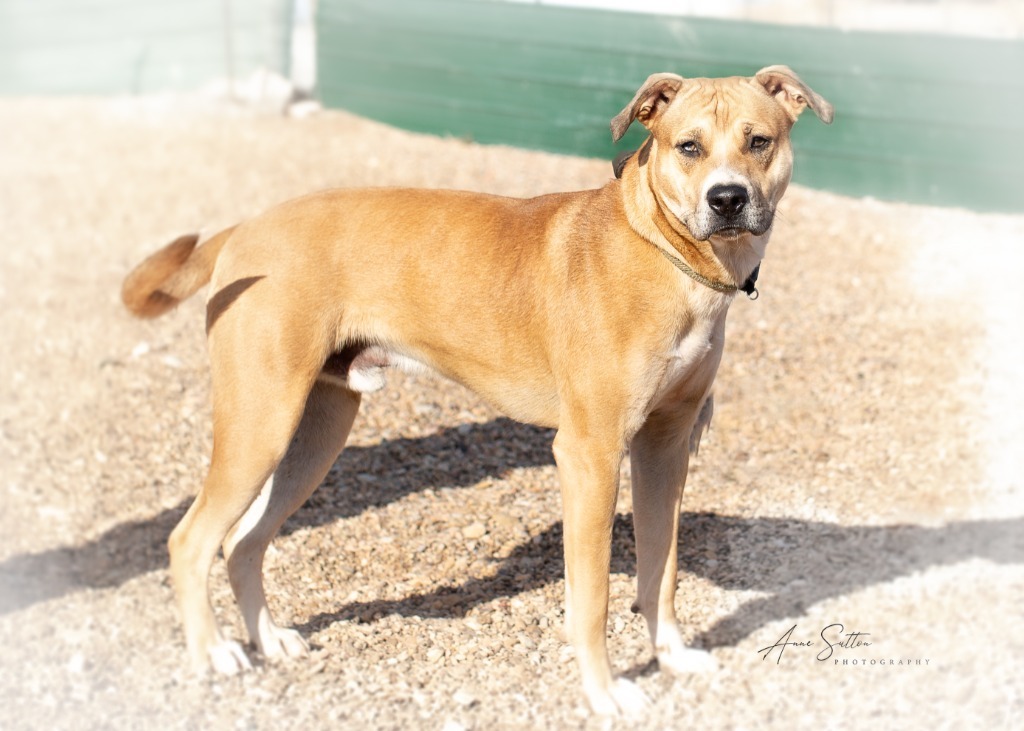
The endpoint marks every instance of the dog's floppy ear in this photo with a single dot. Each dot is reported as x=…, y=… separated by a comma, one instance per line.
x=656, y=93
x=792, y=93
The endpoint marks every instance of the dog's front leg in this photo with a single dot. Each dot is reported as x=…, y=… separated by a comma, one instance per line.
x=658, y=460
x=588, y=472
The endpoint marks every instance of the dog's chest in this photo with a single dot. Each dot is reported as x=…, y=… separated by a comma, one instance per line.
x=691, y=360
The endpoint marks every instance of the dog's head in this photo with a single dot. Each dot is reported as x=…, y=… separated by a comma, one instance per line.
x=719, y=153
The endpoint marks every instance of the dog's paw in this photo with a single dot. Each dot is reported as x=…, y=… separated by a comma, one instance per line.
x=281, y=642
x=622, y=698
x=680, y=660
x=676, y=658
x=228, y=658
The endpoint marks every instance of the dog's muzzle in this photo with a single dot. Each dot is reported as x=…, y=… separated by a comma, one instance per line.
x=729, y=210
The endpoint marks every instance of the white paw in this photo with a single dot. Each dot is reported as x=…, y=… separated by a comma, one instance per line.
x=622, y=698
x=228, y=658
x=281, y=642
x=680, y=660
x=675, y=657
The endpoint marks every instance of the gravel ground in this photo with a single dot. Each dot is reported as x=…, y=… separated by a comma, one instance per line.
x=863, y=468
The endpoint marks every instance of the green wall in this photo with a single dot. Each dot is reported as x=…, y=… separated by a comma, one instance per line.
x=928, y=119
x=135, y=46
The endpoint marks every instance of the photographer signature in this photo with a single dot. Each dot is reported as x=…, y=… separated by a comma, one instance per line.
x=833, y=636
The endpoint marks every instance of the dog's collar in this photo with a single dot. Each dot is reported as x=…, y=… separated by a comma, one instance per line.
x=749, y=287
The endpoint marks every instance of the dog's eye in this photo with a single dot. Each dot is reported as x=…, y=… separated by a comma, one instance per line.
x=758, y=143
x=689, y=148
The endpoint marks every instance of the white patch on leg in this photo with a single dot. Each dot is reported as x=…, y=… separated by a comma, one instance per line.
x=251, y=518
x=228, y=658
x=675, y=657
x=277, y=642
x=622, y=698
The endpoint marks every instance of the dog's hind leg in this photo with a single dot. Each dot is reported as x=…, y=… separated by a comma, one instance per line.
x=326, y=421
x=260, y=389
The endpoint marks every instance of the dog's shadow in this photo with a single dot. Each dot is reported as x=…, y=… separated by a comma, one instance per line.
x=456, y=457
x=796, y=563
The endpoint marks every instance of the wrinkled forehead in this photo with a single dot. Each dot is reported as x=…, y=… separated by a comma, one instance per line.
x=718, y=105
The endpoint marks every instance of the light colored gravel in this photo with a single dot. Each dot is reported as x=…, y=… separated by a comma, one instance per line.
x=864, y=465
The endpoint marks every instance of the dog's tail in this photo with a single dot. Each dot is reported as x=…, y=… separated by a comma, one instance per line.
x=172, y=274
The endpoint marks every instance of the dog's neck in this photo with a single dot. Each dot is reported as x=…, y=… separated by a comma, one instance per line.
x=730, y=260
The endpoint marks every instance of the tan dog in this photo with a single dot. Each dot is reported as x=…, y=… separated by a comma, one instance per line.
x=600, y=313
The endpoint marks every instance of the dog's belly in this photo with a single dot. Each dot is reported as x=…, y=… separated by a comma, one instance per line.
x=363, y=368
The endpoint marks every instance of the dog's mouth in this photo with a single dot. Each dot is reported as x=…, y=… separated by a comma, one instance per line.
x=702, y=228
x=703, y=223
x=755, y=223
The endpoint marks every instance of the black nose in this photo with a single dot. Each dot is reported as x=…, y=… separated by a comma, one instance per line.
x=728, y=200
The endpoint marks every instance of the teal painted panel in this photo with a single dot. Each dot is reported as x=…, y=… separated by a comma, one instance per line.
x=921, y=118
x=126, y=46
